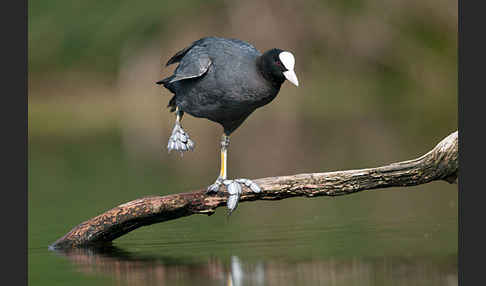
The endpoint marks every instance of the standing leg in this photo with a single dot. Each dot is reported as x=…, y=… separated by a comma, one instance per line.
x=234, y=186
x=223, y=169
x=179, y=140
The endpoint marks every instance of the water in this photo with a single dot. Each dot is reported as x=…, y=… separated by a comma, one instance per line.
x=337, y=246
x=397, y=236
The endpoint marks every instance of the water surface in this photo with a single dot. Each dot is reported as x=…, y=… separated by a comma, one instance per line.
x=397, y=236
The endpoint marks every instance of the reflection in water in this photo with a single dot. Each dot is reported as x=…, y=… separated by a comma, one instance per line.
x=238, y=276
x=134, y=269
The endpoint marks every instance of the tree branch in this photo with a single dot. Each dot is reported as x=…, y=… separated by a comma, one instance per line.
x=441, y=163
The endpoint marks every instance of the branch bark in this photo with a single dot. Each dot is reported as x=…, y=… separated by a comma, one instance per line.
x=441, y=163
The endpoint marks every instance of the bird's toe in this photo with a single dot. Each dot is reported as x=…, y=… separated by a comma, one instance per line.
x=250, y=184
x=214, y=188
x=232, y=203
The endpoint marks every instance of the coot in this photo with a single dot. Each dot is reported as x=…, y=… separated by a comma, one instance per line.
x=224, y=80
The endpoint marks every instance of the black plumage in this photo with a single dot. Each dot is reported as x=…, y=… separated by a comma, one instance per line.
x=223, y=80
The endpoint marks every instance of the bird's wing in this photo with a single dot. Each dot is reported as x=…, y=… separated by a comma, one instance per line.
x=194, y=62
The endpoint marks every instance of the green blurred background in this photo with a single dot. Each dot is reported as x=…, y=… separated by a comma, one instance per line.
x=378, y=84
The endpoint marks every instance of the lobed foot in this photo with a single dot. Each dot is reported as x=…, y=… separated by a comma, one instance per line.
x=179, y=140
x=234, y=190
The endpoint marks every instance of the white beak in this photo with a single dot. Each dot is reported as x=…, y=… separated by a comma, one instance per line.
x=290, y=76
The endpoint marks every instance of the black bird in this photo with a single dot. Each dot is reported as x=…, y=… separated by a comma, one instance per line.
x=224, y=80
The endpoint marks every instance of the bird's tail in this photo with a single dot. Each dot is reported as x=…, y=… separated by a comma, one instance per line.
x=166, y=83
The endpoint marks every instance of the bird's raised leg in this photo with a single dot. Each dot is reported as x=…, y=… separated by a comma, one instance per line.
x=179, y=140
x=234, y=187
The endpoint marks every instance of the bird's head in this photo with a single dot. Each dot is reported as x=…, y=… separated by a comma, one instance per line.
x=279, y=66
